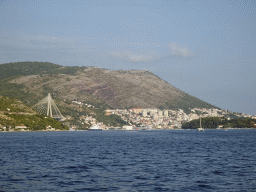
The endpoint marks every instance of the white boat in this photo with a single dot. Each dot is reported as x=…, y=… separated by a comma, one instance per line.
x=147, y=128
x=200, y=128
x=95, y=127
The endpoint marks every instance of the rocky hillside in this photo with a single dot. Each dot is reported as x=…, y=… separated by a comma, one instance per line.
x=118, y=89
x=13, y=105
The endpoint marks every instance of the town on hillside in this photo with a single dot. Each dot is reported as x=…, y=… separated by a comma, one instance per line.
x=114, y=119
x=158, y=119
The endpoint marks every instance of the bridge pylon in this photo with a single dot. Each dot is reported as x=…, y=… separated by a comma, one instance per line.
x=48, y=107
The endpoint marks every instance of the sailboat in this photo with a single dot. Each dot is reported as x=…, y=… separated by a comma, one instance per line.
x=200, y=128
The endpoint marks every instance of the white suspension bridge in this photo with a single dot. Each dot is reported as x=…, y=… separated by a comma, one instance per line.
x=48, y=107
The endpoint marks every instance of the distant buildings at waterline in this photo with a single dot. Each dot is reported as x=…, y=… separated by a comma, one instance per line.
x=159, y=119
x=169, y=119
x=135, y=118
x=23, y=128
x=15, y=128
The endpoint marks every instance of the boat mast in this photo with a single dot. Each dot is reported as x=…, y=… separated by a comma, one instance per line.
x=200, y=122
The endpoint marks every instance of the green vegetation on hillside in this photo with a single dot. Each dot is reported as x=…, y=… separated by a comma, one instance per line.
x=24, y=116
x=111, y=120
x=214, y=122
x=12, y=105
x=76, y=111
x=17, y=91
x=25, y=68
x=66, y=70
x=242, y=123
x=33, y=122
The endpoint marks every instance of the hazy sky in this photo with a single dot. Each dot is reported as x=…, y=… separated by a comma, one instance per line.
x=205, y=48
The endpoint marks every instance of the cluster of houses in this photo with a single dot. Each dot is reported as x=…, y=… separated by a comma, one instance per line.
x=139, y=118
x=156, y=118
x=21, y=128
x=85, y=104
x=168, y=119
x=12, y=129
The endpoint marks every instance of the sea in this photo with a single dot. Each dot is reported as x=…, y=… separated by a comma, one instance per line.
x=157, y=160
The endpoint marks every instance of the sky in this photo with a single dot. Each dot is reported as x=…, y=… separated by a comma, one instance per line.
x=206, y=48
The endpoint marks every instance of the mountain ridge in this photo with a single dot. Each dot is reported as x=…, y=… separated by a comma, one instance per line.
x=116, y=88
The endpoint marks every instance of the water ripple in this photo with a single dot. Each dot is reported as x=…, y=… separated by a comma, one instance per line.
x=122, y=161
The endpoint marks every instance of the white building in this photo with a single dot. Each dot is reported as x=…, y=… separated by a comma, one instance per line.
x=127, y=127
x=144, y=113
x=155, y=116
x=21, y=127
x=166, y=113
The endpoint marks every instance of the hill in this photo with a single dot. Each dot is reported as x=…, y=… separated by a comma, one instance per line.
x=14, y=113
x=25, y=68
x=214, y=122
x=31, y=81
x=13, y=105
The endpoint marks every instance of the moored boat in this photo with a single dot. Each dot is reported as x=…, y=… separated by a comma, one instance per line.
x=95, y=127
x=200, y=128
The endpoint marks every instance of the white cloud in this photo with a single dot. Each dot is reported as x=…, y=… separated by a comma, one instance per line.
x=84, y=49
x=131, y=56
x=170, y=50
x=179, y=50
x=141, y=58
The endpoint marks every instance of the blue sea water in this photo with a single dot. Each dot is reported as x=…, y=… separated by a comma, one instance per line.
x=174, y=160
